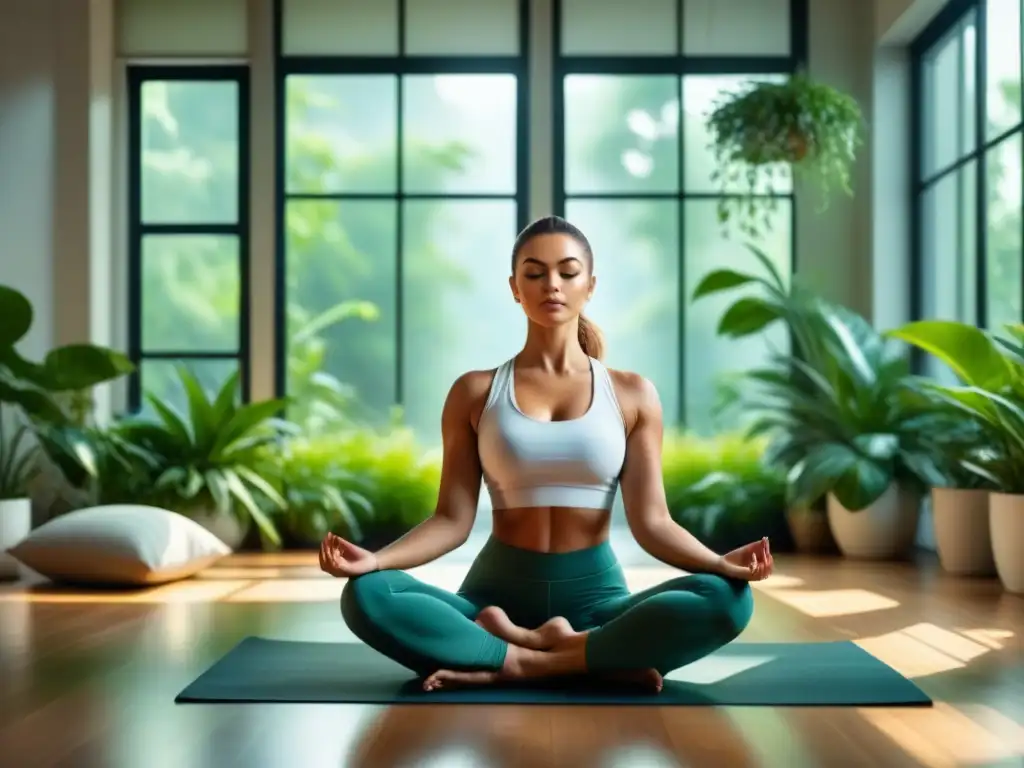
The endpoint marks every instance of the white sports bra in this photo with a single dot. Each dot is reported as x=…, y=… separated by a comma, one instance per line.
x=531, y=463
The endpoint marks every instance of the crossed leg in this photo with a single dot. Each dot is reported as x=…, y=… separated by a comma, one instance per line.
x=640, y=638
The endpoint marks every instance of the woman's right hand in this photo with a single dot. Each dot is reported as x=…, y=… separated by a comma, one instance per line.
x=341, y=558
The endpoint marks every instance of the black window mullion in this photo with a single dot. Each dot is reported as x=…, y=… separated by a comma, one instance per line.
x=138, y=229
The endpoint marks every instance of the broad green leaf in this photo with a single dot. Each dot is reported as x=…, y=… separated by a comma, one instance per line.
x=862, y=484
x=968, y=351
x=849, y=355
x=35, y=404
x=15, y=316
x=881, y=447
x=721, y=280
x=747, y=316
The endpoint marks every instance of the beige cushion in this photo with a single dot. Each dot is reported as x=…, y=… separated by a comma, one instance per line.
x=119, y=545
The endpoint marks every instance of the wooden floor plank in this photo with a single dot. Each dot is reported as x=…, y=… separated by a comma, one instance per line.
x=89, y=679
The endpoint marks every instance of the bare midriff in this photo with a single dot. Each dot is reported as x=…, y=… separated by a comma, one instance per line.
x=551, y=529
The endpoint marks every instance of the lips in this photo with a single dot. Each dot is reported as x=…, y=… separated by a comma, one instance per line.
x=552, y=304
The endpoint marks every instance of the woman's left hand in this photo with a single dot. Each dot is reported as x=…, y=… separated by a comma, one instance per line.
x=751, y=562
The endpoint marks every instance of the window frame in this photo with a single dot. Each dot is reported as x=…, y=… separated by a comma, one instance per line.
x=400, y=66
x=680, y=66
x=921, y=49
x=137, y=75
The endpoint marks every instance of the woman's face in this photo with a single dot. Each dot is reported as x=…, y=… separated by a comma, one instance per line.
x=552, y=279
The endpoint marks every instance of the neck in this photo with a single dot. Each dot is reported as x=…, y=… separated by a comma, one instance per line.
x=556, y=350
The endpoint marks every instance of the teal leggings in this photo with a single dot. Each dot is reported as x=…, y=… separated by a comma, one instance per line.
x=426, y=628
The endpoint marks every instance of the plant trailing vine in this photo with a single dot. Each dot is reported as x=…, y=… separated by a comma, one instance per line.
x=770, y=132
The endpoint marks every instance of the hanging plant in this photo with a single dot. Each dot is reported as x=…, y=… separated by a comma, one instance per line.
x=770, y=132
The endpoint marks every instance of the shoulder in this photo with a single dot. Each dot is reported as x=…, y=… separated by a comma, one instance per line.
x=638, y=397
x=468, y=394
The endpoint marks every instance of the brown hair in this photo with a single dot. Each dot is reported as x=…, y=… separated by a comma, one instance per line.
x=590, y=336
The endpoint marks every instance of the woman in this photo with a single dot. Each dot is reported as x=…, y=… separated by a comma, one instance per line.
x=552, y=433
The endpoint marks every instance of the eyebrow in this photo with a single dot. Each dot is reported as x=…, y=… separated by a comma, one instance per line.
x=531, y=260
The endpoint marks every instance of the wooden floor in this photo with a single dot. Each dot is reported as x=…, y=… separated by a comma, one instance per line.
x=89, y=680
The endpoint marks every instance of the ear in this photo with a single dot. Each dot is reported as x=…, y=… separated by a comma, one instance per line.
x=512, y=287
x=593, y=286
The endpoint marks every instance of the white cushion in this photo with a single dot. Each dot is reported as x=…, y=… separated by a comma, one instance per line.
x=119, y=545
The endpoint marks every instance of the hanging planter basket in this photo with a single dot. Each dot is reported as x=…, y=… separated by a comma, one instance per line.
x=770, y=133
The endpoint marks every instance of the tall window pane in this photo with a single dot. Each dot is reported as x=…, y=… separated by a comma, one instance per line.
x=341, y=311
x=621, y=134
x=711, y=361
x=401, y=208
x=942, y=111
x=458, y=312
x=969, y=190
x=189, y=243
x=1003, y=256
x=636, y=302
x=1002, y=65
x=341, y=134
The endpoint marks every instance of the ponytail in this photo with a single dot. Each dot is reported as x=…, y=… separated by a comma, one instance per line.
x=591, y=338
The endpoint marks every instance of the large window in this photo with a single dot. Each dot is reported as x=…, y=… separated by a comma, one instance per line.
x=403, y=189
x=636, y=176
x=967, y=91
x=188, y=227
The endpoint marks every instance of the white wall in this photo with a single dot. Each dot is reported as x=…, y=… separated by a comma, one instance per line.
x=56, y=199
x=28, y=64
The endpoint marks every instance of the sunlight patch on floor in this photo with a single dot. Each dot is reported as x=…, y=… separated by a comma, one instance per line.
x=923, y=649
x=288, y=591
x=945, y=736
x=990, y=638
x=715, y=669
x=833, y=602
x=189, y=591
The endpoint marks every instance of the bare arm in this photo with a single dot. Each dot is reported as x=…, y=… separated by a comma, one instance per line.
x=643, y=492
x=450, y=525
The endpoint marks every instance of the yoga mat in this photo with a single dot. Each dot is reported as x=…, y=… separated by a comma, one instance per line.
x=740, y=674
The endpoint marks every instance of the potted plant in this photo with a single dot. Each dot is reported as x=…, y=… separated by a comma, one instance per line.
x=768, y=131
x=32, y=397
x=991, y=395
x=959, y=505
x=213, y=465
x=17, y=469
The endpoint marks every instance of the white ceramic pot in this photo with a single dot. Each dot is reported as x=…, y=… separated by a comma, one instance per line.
x=882, y=531
x=1006, y=522
x=962, y=532
x=15, y=524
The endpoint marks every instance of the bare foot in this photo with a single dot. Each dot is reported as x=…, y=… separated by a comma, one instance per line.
x=546, y=636
x=523, y=663
x=520, y=664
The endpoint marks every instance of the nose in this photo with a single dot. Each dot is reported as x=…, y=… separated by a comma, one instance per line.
x=553, y=282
